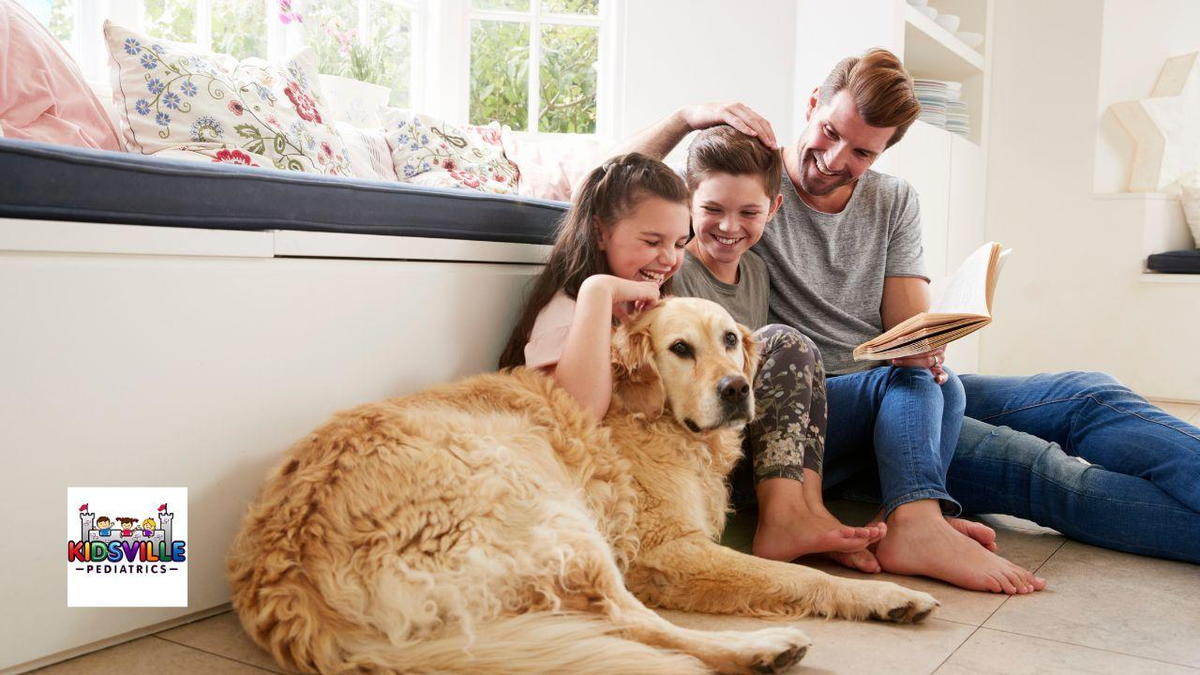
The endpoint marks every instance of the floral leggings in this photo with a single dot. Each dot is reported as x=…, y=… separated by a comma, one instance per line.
x=788, y=432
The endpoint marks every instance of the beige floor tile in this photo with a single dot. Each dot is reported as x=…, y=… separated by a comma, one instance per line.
x=148, y=655
x=853, y=646
x=1114, y=601
x=223, y=635
x=991, y=651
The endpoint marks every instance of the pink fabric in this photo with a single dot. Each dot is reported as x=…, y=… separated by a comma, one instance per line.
x=43, y=96
x=549, y=334
x=551, y=168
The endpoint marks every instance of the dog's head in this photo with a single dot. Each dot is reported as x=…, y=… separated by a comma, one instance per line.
x=688, y=356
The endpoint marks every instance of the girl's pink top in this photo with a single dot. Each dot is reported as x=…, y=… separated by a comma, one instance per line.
x=549, y=334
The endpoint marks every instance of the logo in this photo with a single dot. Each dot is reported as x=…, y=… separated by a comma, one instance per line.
x=127, y=547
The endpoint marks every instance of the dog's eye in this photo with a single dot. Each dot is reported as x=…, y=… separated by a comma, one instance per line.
x=731, y=340
x=681, y=349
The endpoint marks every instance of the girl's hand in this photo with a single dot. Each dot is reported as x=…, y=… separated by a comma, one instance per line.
x=627, y=297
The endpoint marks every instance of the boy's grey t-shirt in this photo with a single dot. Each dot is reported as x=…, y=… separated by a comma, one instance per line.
x=827, y=269
x=746, y=300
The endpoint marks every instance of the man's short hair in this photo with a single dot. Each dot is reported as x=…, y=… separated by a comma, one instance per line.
x=881, y=88
x=723, y=149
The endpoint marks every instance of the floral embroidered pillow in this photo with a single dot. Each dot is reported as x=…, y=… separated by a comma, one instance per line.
x=427, y=151
x=177, y=102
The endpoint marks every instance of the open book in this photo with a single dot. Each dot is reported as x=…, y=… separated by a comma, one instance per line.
x=965, y=307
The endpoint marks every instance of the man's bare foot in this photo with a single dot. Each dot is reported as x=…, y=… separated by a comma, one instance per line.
x=922, y=542
x=793, y=521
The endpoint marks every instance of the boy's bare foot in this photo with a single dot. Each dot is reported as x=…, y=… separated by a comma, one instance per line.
x=793, y=521
x=921, y=542
x=981, y=533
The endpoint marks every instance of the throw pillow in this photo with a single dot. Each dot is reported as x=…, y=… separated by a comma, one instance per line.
x=367, y=150
x=212, y=105
x=428, y=151
x=43, y=96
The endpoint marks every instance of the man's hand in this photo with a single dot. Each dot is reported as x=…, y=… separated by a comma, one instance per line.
x=737, y=115
x=932, y=360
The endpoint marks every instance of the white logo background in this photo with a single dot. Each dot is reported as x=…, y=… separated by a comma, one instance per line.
x=129, y=589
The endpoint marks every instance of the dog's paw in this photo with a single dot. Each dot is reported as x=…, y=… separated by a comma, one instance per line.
x=901, y=604
x=774, y=650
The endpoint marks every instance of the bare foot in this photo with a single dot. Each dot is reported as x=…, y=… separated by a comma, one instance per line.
x=793, y=521
x=981, y=533
x=863, y=561
x=921, y=542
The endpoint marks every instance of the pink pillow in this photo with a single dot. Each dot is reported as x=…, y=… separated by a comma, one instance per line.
x=43, y=96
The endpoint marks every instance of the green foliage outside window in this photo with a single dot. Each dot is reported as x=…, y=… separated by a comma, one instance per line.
x=239, y=28
x=171, y=19
x=382, y=56
x=500, y=73
x=568, y=79
x=62, y=19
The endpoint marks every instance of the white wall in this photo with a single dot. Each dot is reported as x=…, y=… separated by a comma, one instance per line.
x=677, y=52
x=1137, y=37
x=1072, y=295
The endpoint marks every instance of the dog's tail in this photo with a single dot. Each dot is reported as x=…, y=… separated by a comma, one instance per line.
x=541, y=642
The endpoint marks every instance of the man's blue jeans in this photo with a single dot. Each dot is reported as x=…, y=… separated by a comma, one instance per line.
x=1138, y=489
x=909, y=420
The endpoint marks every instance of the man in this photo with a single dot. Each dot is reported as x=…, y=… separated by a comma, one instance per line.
x=843, y=255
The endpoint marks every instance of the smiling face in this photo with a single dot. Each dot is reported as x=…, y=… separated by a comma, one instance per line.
x=729, y=213
x=837, y=146
x=647, y=243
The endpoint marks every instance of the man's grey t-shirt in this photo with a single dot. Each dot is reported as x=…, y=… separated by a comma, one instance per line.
x=827, y=269
x=746, y=300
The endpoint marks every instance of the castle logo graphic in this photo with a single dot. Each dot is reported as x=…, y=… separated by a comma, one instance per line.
x=127, y=547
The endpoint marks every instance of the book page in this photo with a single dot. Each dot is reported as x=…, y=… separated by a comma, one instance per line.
x=965, y=291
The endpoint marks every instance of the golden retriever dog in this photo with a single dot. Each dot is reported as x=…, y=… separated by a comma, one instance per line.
x=491, y=525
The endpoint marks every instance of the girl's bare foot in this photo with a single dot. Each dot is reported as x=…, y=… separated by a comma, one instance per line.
x=793, y=521
x=922, y=542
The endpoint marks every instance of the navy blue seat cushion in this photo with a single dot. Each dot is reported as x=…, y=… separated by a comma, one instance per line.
x=53, y=182
x=1175, y=262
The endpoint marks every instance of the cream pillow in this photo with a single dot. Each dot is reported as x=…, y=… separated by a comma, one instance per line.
x=178, y=102
x=368, y=152
x=428, y=151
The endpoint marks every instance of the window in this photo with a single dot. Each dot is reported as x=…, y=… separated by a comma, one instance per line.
x=535, y=65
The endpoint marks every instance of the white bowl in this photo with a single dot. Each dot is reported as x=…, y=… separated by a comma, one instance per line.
x=918, y=3
x=927, y=11
x=948, y=21
x=972, y=40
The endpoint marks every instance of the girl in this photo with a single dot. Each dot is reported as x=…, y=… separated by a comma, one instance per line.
x=617, y=248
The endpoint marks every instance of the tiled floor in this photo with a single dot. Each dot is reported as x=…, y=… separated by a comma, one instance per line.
x=1103, y=612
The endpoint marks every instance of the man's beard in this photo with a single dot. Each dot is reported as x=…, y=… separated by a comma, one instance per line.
x=826, y=184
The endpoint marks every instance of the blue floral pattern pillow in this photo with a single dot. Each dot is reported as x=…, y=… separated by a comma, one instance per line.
x=428, y=151
x=180, y=103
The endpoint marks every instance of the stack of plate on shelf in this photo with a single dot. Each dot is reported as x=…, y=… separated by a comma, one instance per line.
x=932, y=95
x=942, y=105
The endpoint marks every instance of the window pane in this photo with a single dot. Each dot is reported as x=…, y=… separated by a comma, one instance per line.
x=590, y=7
x=391, y=41
x=239, y=28
x=500, y=73
x=512, y=5
x=171, y=19
x=62, y=19
x=568, y=74
x=330, y=28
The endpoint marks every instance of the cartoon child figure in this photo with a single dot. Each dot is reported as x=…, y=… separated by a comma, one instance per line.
x=148, y=527
x=104, y=524
x=127, y=526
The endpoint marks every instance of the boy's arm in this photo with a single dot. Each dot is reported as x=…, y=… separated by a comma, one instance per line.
x=659, y=139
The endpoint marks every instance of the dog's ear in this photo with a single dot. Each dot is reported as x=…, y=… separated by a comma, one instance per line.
x=637, y=386
x=750, y=352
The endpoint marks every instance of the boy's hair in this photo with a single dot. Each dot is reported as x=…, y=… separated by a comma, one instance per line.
x=881, y=88
x=608, y=194
x=103, y=518
x=723, y=149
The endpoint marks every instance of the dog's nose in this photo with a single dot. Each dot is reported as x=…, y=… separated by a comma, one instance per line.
x=733, y=389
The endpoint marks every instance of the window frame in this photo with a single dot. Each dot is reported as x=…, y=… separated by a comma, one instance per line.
x=441, y=45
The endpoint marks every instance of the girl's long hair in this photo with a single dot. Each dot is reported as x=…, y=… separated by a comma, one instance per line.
x=608, y=193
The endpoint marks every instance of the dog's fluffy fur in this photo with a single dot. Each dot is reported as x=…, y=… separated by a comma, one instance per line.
x=491, y=526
